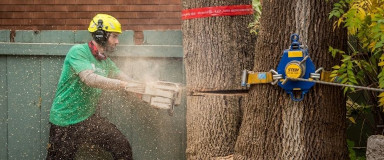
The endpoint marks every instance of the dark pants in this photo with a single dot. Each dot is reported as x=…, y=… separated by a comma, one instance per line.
x=64, y=141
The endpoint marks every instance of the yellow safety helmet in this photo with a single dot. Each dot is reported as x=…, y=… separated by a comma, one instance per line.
x=108, y=23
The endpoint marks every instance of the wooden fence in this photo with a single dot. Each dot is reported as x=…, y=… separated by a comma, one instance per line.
x=29, y=71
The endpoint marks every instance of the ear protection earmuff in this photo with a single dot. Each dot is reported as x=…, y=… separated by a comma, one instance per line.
x=100, y=35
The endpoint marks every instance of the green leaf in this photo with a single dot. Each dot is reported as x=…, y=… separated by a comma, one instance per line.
x=335, y=72
x=378, y=45
x=346, y=58
x=342, y=70
x=353, y=80
x=360, y=75
x=332, y=75
x=345, y=90
x=350, y=73
x=352, y=153
x=336, y=67
x=349, y=65
x=343, y=76
x=344, y=80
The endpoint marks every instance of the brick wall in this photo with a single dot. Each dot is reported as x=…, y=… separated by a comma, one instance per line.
x=137, y=15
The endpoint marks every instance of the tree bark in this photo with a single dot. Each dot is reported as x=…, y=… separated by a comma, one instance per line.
x=212, y=125
x=216, y=50
x=275, y=127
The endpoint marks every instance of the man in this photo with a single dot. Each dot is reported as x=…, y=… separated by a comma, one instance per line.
x=86, y=71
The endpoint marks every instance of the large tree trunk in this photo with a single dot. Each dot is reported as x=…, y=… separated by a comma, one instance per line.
x=216, y=50
x=275, y=127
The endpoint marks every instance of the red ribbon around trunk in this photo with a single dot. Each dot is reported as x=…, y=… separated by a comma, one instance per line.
x=235, y=10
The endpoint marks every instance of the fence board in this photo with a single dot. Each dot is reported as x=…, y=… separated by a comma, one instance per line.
x=4, y=36
x=24, y=107
x=171, y=37
x=45, y=36
x=3, y=108
x=50, y=74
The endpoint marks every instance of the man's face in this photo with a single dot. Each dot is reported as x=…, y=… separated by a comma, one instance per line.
x=113, y=40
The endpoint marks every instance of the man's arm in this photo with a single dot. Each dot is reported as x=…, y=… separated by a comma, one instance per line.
x=132, y=85
x=94, y=80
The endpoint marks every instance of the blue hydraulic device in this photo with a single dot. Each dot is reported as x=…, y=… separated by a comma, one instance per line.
x=294, y=64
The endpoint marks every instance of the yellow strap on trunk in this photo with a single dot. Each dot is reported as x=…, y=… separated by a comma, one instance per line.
x=325, y=76
x=259, y=77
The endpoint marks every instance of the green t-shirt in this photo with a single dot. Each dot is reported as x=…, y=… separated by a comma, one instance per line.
x=74, y=100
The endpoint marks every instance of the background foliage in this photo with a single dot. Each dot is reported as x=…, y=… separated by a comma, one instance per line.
x=254, y=26
x=361, y=65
